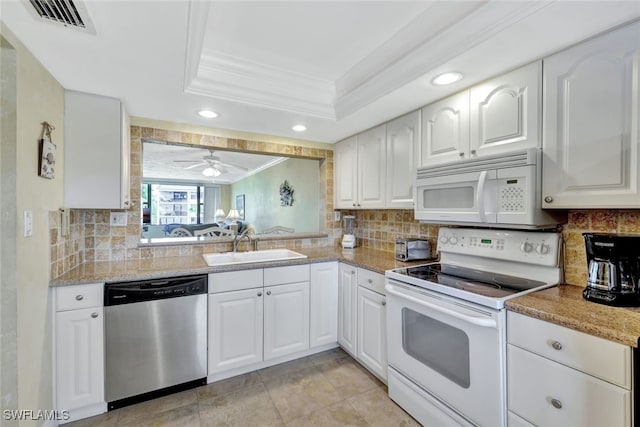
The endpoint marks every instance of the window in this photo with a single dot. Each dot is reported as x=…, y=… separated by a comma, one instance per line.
x=178, y=203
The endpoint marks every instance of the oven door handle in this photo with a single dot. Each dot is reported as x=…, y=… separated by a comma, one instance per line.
x=478, y=321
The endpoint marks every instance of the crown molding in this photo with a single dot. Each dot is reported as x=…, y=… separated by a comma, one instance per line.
x=479, y=26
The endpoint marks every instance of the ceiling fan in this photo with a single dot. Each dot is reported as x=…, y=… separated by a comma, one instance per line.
x=214, y=166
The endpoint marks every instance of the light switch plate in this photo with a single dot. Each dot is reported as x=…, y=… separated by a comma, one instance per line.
x=336, y=215
x=118, y=219
x=28, y=224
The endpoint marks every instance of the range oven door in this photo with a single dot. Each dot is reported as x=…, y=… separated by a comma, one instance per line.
x=452, y=349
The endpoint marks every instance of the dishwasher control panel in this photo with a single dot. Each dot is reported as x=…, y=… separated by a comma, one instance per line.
x=148, y=290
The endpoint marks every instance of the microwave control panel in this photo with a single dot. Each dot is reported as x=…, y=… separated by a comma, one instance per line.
x=512, y=194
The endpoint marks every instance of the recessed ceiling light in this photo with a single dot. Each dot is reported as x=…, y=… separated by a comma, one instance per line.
x=446, y=78
x=208, y=114
x=299, y=128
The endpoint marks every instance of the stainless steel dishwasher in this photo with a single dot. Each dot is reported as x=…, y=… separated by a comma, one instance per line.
x=156, y=338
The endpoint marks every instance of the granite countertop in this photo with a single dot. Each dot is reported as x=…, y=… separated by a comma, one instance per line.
x=113, y=271
x=564, y=305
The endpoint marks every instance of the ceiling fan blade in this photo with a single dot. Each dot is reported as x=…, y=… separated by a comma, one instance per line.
x=195, y=166
x=186, y=161
x=234, y=166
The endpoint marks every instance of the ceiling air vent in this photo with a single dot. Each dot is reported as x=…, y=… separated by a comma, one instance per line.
x=67, y=13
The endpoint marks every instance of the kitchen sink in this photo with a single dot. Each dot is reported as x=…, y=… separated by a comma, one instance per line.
x=231, y=258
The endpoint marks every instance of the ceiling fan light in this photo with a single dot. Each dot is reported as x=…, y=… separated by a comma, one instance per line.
x=299, y=128
x=208, y=114
x=210, y=172
x=446, y=78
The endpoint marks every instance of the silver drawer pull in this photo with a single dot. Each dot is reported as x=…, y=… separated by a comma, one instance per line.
x=556, y=403
x=268, y=292
x=370, y=281
x=384, y=303
x=94, y=315
x=259, y=294
x=79, y=297
x=556, y=345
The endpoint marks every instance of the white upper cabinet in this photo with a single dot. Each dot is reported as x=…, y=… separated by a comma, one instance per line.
x=445, y=130
x=372, y=166
x=498, y=116
x=505, y=112
x=345, y=173
x=96, y=152
x=360, y=170
x=403, y=136
x=591, y=129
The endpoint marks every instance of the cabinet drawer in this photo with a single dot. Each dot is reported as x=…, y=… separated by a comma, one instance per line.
x=289, y=274
x=79, y=296
x=235, y=280
x=371, y=280
x=572, y=348
x=547, y=393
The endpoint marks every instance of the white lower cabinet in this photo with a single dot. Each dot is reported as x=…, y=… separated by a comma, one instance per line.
x=249, y=326
x=79, y=350
x=347, y=307
x=323, y=308
x=235, y=329
x=286, y=319
x=560, y=377
x=372, y=331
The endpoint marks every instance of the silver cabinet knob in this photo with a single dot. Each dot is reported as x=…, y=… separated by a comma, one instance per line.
x=556, y=345
x=384, y=303
x=548, y=199
x=354, y=205
x=268, y=292
x=353, y=272
x=94, y=315
x=79, y=297
x=370, y=281
x=556, y=403
x=126, y=203
x=461, y=154
x=259, y=294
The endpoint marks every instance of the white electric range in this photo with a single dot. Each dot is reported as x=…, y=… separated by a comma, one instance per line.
x=446, y=323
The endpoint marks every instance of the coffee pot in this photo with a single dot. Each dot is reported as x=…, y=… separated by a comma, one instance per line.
x=613, y=269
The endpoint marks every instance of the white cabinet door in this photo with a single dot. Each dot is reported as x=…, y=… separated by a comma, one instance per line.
x=372, y=168
x=505, y=112
x=591, y=122
x=286, y=319
x=372, y=331
x=235, y=329
x=347, y=307
x=323, y=304
x=345, y=173
x=96, y=152
x=403, y=137
x=80, y=357
x=445, y=130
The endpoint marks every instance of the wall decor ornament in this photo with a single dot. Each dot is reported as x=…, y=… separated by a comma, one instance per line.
x=286, y=194
x=47, y=153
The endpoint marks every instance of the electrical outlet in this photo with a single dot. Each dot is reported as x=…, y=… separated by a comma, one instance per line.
x=336, y=215
x=118, y=219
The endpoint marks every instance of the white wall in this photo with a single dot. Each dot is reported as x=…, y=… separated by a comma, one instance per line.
x=39, y=98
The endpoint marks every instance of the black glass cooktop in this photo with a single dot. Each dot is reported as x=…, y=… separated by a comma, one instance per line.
x=491, y=285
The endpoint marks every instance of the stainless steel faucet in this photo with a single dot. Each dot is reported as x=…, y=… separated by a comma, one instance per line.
x=239, y=237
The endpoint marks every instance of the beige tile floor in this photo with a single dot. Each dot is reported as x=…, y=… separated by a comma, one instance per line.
x=326, y=389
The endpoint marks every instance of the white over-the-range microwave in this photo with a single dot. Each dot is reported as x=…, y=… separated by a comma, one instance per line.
x=491, y=191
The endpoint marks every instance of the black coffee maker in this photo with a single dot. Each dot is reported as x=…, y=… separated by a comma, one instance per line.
x=614, y=269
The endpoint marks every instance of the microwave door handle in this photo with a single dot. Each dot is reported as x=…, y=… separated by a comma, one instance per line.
x=482, y=180
x=478, y=321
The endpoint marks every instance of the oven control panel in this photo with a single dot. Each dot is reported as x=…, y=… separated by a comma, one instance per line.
x=533, y=247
